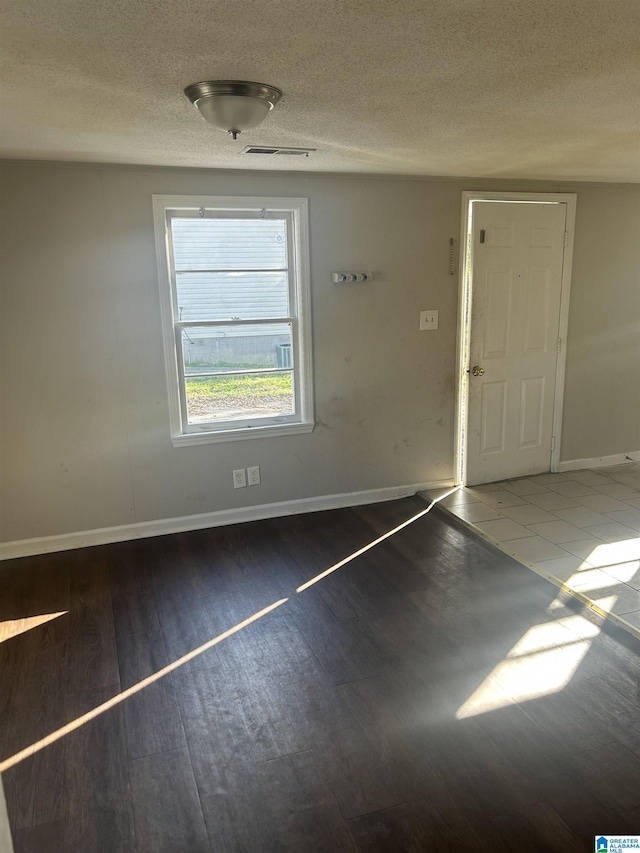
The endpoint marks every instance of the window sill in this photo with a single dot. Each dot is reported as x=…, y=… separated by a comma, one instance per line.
x=272, y=431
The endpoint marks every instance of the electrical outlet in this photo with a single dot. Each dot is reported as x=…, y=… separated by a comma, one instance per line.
x=253, y=475
x=239, y=478
x=428, y=320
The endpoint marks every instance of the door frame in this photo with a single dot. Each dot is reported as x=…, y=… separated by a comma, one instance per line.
x=465, y=292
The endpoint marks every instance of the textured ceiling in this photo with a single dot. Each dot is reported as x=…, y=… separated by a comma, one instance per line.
x=501, y=88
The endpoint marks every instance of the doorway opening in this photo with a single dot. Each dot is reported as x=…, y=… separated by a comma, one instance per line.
x=513, y=310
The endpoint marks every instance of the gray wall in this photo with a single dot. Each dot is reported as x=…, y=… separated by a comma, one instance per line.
x=6, y=845
x=84, y=422
x=602, y=392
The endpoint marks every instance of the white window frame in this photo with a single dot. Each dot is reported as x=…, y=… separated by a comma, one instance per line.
x=295, y=212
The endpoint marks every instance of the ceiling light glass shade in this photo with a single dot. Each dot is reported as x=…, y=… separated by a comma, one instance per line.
x=233, y=105
x=233, y=111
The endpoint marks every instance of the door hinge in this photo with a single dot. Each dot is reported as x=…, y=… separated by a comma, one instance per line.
x=559, y=345
x=553, y=443
x=566, y=239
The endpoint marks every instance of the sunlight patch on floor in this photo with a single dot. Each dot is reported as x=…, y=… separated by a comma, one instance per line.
x=611, y=553
x=542, y=662
x=624, y=572
x=14, y=627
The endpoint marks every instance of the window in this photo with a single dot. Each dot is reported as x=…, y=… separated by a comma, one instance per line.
x=234, y=287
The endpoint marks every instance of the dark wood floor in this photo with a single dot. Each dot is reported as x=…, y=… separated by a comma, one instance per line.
x=329, y=724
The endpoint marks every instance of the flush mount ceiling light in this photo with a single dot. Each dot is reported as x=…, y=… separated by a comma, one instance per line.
x=233, y=105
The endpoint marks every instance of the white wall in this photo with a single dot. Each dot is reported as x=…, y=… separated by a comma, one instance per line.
x=84, y=421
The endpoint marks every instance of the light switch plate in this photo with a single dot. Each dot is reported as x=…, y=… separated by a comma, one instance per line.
x=428, y=320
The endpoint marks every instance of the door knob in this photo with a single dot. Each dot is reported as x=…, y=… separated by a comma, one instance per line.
x=477, y=370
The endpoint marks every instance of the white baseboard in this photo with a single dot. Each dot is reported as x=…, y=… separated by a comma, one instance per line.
x=599, y=461
x=161, y=527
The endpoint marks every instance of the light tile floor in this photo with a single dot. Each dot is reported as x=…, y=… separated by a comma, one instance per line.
x=580, y=529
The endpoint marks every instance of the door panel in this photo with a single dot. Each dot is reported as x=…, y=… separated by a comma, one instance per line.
x=531, y=411
x=518, y=251
x=493, y=417
x=536, y=328
x=495, y=339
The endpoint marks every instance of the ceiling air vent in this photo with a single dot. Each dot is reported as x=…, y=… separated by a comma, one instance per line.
x=291, y=152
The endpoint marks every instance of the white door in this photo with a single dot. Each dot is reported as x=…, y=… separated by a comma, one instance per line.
x=517, y=258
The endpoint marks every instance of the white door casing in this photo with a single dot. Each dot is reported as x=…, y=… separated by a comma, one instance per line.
x=514, y=337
